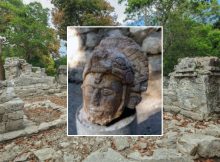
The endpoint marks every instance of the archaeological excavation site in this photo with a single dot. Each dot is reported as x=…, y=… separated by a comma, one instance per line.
x=33, y=106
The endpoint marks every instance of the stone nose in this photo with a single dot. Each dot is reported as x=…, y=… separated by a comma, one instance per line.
x=96, y=97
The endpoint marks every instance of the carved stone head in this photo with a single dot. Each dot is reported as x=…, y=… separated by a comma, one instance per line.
x=108, y=79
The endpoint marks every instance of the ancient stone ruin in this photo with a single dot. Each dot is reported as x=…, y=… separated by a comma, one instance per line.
x=11, y=108
x=30, y=101
x=194, y=88
x=28, y=80
x=114, y=78
x=62, y=76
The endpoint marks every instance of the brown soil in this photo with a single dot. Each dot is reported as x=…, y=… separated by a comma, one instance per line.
x=39, y=115
x=61, y=101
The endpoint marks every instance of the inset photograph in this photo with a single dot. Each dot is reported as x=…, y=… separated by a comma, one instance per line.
x=114, y=80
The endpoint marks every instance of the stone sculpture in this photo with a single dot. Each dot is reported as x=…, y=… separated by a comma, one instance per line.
x=113, y=80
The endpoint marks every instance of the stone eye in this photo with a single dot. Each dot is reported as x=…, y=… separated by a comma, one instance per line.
x=107, y=92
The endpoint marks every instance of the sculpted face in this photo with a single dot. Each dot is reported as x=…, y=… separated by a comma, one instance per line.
x=102, y=97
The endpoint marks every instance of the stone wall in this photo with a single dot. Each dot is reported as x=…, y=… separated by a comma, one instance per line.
x=28, y=80
x=62, y=76
x=11, y=108
x=149, y=38
x=194, y=88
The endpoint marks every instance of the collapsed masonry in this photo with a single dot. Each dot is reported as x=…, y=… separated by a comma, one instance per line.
x=28, y=80
x=194, y=88
x=23, y=80
x=11, y=108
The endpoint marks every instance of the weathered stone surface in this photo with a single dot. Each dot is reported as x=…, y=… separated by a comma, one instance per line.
x=28, y=80
x=92, y=39
x=23, y=157
x=140, y=33
x=109, y=71
x=121, y=143
x=108, y=155
x=152, y=44
x=194, y=88
x=199, y=145
x=212, y=130
x=11, y=109
x=167, y=155
x=7, y=94
x=70, y=158
x=115, y=33
x=13, y=134
x=45, y=154
x=62, y=75
x=137, y=156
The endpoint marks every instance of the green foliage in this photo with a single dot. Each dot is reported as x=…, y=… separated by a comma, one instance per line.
x=200, y=40
x=26, y=29
x=81, y=12
x=191, y=28
x=61, y=61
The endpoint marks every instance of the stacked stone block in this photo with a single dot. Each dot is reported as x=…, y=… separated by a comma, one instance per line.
x=11, y=109
x=28, y=80
x=62, y=75
x=194, y=88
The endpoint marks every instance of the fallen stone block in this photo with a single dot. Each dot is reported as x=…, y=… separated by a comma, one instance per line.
x=106, y=155
x=199, y=145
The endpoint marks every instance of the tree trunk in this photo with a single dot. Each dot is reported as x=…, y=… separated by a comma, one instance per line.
x=2, y=71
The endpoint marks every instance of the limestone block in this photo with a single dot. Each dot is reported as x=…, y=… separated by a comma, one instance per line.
x=14, y=124
x=114, y=33
x=152, y=44
x=13, y=105
x=7, y=94
x=45, y=154
x=2, y=127
x=196, y=85
x=15, y=115
x=140, y=33
x=92, y=39
x=108, y=155
x=201, y=145
x=62, y=74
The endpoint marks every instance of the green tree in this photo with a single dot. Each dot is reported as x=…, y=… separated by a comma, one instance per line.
x=191, y=28
x=81, y=12
x=26, y=29
x=159, y=12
